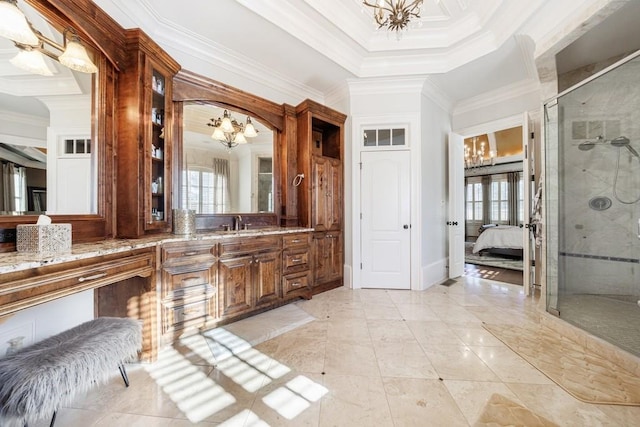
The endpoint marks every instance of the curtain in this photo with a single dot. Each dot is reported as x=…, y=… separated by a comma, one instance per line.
x=486, y=199
x=221, y=191
x=512, y=183
x=14, y=188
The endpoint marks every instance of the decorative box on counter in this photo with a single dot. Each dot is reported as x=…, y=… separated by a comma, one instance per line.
x=43, y=240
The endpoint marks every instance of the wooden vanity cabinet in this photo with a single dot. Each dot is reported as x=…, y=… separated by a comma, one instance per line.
x=189, y=287
x=296, y=265
x=144, y=138
x=249, y=273
x=320, y=198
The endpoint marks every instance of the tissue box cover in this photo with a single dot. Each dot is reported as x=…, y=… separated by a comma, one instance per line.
x=48, y=239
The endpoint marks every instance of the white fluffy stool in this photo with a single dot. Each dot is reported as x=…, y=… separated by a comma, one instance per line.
x=37, y=380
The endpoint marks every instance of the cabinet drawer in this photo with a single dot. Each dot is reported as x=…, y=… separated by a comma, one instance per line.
x=296, y=240
x=296, y=282
x=195, y=313
x=249, y=244
x=295, y=260
x=182, y=250
x=174, y=285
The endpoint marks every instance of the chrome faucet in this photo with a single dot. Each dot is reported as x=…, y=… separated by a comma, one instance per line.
x=236, y=222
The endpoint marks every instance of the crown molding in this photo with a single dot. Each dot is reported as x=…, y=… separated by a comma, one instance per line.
x=497, y=96
x=432, y=91
x=386, y=85
x=527, y=47
x=23, y=119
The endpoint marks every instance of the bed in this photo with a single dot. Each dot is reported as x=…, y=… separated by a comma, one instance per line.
x=505, y=240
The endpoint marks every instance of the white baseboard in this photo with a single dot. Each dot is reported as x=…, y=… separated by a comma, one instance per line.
x=434, y=273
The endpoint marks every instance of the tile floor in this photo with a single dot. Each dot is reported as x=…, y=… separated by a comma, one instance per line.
x=372, y=358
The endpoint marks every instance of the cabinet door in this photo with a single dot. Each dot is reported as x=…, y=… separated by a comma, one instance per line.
x=327, y=256
x=319, y=190
x=157, y=152
x=236, y=293
x=267, y=277
x=334, y=195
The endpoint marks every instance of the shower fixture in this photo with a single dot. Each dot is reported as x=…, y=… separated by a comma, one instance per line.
x=619, y=142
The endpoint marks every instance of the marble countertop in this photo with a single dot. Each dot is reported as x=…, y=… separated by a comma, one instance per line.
x=16, y=261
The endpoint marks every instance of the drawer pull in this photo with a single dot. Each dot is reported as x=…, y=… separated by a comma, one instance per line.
x=296, y=241
x=190, y=279
x=296, y=260
x=94, y=277
x=191, y=311
x=190, y=253
x=296, y=284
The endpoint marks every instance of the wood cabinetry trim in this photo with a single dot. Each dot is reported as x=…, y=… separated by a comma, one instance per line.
x=28, y=288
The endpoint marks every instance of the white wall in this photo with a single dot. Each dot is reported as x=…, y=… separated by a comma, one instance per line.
x=47, y=319
x=436, y=125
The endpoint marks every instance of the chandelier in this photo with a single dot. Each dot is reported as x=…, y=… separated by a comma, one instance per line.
x=229, y=132
x=31, y=44
x=395, y=14
x=474, y=158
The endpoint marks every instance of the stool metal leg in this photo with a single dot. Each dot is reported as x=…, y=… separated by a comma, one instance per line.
x=53, y=419
x=123, y=372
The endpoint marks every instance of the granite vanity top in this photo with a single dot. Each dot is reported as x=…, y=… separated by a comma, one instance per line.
x=15, y=261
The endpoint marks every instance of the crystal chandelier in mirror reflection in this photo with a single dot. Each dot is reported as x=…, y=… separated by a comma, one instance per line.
x=229, y=132
x=474, y=157
x=396, y=15
x=32, y=44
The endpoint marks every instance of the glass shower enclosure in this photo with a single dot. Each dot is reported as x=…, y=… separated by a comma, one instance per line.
x=592, y=186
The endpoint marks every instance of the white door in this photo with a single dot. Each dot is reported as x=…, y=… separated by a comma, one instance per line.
x=455, y=220
x=385, y=219
x=527, y=149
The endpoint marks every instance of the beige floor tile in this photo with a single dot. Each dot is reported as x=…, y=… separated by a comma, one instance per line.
x=347, y=358
x=299, y=354
x=354, y=401
x=68, y=417
x=390, y=331
x=510, y=367
x=345, y=310
x=422, y=402
x=459, y=363
x=621, y=415
x=433, y=334
x=403, y=359
x=455, y=315
x=476, y=336
x=558, y=406
x=421, y=312
x=471, y=396
x=348, y=330
x=375, y=296
x=374, y=311
x=408, y=297
x=293, y=400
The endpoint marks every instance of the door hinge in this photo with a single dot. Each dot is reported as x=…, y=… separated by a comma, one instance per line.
x=360, y=215
x=533, y=135
x=360, y=266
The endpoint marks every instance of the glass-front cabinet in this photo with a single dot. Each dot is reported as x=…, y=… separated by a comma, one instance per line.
x=144, y=139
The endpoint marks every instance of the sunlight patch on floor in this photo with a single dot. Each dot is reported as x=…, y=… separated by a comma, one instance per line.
x=295, y=397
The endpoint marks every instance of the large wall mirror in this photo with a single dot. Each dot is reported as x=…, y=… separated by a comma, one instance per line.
x=46, y=139
x=217, y=175
x=57, y=132
x=225, y=172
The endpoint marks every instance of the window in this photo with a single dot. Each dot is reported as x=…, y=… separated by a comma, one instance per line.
x=204, y=191
x=521, y=219
x=474, y=199
x=77, y=146
x=384, y=137
x=499, y=199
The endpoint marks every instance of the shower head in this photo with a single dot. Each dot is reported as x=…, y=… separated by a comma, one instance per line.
x=620, y=141
x=586, y=146
x=623, y=141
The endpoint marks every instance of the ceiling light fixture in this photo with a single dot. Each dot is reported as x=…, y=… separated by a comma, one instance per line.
x=229, y=132
x=474, y=158
x=395, y=14
x=31, y=44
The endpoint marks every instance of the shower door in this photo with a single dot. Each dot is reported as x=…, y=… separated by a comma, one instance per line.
x=592, y=195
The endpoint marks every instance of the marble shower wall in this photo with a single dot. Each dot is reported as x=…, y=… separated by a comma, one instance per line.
x=599, y=249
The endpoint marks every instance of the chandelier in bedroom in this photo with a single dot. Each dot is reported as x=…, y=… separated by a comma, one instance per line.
x=474, y=157
x=229, y=132
x=395, y=14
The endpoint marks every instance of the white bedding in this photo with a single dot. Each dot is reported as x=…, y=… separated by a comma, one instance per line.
x=502, y=236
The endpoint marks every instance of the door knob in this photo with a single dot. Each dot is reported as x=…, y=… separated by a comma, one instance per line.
x=406, y=226
x=448, y=222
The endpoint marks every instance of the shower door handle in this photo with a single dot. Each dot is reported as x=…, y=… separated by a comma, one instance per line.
x=638, y=228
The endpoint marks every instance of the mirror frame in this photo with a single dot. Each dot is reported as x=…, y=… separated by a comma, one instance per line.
x=106, y=37
x=189, y=87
